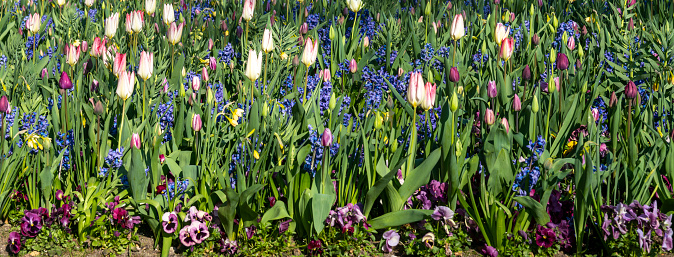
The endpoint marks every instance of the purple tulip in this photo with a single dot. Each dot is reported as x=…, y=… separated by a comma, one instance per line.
x=526, y=73
x=4, y=105
x=454, y=75
x=14, y=242
x=169, y=222
x=562, y=61
x=517, y=103
x=64, y=81
x=326, y=138
x=392, y=239
x=492, y=92
x=631, y=90
x=353, y=66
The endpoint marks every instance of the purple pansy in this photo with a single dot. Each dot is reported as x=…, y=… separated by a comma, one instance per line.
x=169, y=222
x=392, y=239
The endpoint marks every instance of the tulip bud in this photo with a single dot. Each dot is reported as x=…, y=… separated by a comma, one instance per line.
x=631, y=90
x=579, y=65
x=630, y=26
x=427, y=10
x=613, y=100
x=353, y=66
x=526, y=73
x=4, y=105
x=265, y=109
x=212, y=63
x=196, y=83
x=571, y=44
x=304, y=28
x=135, y=141
x=491, y=89
x=562, y=62
x=44, y=74
x=64, y=81
x=555, y=21
x=489, y=118
x=332, y=32
x=389, y=103
x=454, y=103
x=204, y=74
x=98, y=108
x=517, y=104
x=532, y=11
x=209, y=95
x=581, y=52
x=400, y=71
x=378, y=120
x=535, y=40
x=366, y=42
x=223, y=26
x=454, y=75
x=565, y=37
x=505, y=124
x=239, y=31
x=296, y=61
x=326, y=138
x=196, y=122
x=553, y=55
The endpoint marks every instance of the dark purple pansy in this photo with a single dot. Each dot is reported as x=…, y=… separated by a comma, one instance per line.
x=31, y=224
x=490, y=251
x=14, y=242
x=545, y=237
x=199, y=231
x=169, y=222
x=185, y=236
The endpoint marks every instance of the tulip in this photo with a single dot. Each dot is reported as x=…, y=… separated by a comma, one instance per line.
x=517, y=103
x=89, y=3
x=429, y=98
x=210, y=44
x=150, y=6
x=94, y=86
x=61, y=3
x=304, y=28
x=169, y=15
x=489, y=117
x=507, y=48
x=505, y=124
x=454, y=75
x=135, y=141
x=204, y=74
x=212, y=63
x=562, y=61
x=595, y=114
x=134, y=22
x=535, y=39
x=325, y=75
x=631, y=90
x=196, y=122
x=526, y=73
x=501, y=33
x=492, y=92
x=125, y=84
x=248, y=9
x=254, y=65
x=435, y=27
x=571, y=44
x=64, y=81
x=353, y=66
x=111, y=24
x=310, y=52
x=366, y=42
x=534, y=104
x=72, y=54
x=267, y=41
x=457, y=31
x=355, y=5
x=33, y=23
x=120, y=64
x=175, y=32
x=326, y=138
x=4, y=105
x=98, y=108
x=145, y=67
x=416, y=92
x=196, y=83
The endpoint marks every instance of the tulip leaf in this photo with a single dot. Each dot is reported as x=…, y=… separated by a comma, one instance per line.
x=320, y=209
x=420, y=175
x=136, y=175
x=536, y=209
x=277, y=212
x=399, y=218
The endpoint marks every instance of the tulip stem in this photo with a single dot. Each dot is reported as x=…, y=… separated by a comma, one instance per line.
x=121, y=126
x=355, y=21
x=144, y=89
x=413, y=140
x=306, y=85
x=547, y=126
x=266, y=60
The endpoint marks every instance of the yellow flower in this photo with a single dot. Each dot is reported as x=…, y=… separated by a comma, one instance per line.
x=32, y=141
x=660, y=131
x=233, y=122
x=256, y=155
x=569, y=146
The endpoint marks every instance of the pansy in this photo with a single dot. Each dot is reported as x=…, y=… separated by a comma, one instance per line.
x=169, y=222
x=392, y=239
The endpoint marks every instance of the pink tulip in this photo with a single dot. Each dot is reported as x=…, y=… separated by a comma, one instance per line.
x=491, y=89
x=507, y=48
x=429, y=98
x=353, y=66
x=415, y=90
x=310, y=52
x=135, y=141
x=120, y=64
x=196, y=122
x=505, y=124
x=204, y=74
x=98, y=48
x=489, y=117
x=571, y=44
x=196, y=83
x=72, y=54
x=213, y=64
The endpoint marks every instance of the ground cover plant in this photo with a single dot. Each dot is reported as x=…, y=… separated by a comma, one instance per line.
x=337, y=127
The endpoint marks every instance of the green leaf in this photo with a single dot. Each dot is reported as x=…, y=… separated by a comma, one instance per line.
x=420, y=175
x=136, y=175
x=277, y=212
x=536, y=209
x=320, y=209
x=399, y=218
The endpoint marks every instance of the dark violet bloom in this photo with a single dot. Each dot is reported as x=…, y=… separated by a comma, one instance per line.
x=667, y=244
x=228, y=247
x=59, y=195
x=545, y=237
x=644, y=240
x=186, y=237
x=31, y=224
x=490, y=251
x=650, y=217
x=443, y=213
x=131, y=222
x=523, y=234
x=283, y=226
x=199, y=231
x=250, y=231
x=14, y=242
x=169, y=222
x=315, y=247
x=392, y=239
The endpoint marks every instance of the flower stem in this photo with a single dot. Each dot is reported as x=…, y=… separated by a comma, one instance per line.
x=121, y=126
